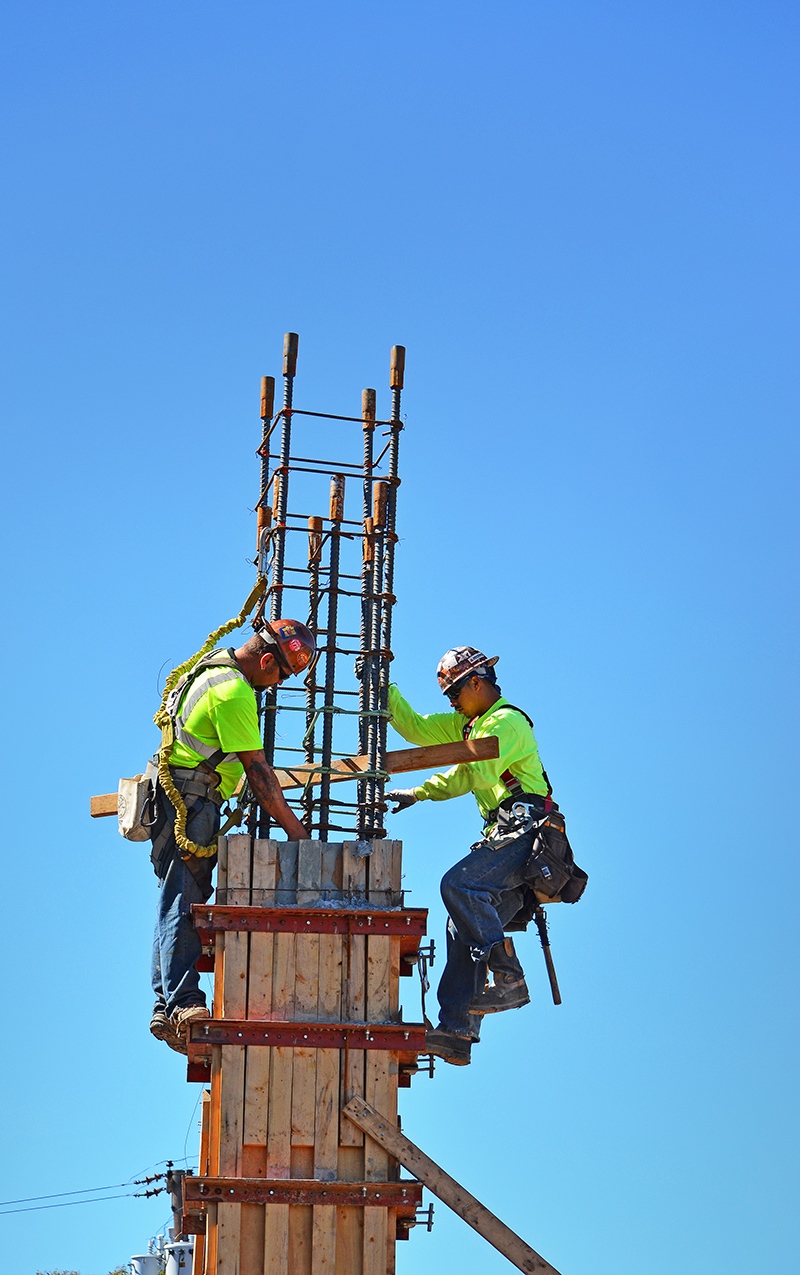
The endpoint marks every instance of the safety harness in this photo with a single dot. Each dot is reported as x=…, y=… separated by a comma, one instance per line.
x=173, y=728
x=550, y=872
x=509, y=779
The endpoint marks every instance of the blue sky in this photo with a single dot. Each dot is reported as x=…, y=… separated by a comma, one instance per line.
x=581, y=221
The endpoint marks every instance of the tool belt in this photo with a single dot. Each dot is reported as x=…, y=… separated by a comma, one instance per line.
x=550, y=871
x=195, y=781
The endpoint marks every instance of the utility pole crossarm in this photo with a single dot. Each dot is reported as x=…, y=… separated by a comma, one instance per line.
x=388, y=1136
x=400, y=762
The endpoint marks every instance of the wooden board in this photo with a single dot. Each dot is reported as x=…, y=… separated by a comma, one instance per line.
x=232, y=1057
x=398, y=762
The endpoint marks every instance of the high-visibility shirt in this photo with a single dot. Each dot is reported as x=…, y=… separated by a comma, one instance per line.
x=518, y=751
x=224, y=717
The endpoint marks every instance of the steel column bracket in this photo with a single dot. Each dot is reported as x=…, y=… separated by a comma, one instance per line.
x=226, y=1031
x=404, y=1196
x=290, y=920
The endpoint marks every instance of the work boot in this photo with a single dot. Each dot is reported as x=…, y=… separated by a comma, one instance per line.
x=181, y=1019
x=447, y=1045
x=162, y=1029
x=509, y=990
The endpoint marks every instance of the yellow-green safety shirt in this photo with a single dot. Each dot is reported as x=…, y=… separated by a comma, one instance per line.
x=225, y=717
x=518, y=751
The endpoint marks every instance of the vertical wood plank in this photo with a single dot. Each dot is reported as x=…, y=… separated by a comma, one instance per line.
x=379, y=1081
x=222, y=869
x=309, y=864
x=354, y=887
x=229, y=1239
x=232, y=1060
x=259, y=998
x=279, y=1125
x=326, y=1132
x=211, y=1240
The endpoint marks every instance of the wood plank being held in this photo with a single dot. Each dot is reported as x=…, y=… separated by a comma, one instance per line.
x=400, y=762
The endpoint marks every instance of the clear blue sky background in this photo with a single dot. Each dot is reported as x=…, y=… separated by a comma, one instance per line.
x=581, y=220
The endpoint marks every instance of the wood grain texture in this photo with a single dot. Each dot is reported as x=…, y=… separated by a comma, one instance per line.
x=380, y=1086
x=259, y=999
x=354, y=987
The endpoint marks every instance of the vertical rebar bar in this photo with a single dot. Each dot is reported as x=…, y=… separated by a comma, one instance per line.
x=337, y=514
x=280, y=505
x=263, y=514
x=315, y=538
x=398, y=361
x=282, y=476
x=365, y=704
x=373, y=721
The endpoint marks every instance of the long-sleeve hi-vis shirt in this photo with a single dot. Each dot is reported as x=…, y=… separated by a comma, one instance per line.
x=518, y=751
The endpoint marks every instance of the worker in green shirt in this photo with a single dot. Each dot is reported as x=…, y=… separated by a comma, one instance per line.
x=217, y=740
x=485, y=890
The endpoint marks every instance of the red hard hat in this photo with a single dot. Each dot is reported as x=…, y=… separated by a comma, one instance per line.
x=461, y=662
x=295, y=645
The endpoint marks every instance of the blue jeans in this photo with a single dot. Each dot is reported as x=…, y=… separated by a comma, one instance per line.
x=176, y=943
x=481, y=893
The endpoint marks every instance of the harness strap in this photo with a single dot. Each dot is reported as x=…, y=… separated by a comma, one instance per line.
x=212, y=755
x=510, y=780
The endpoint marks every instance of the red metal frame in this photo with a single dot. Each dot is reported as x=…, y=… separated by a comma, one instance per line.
x=405, y=1196
x=209, y=920
x=405, y=1037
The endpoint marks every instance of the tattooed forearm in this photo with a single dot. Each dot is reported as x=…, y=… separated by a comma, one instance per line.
x=267, y=792
x=264, y=786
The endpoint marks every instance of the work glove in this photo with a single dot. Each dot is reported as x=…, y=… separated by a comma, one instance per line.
x=404, y=798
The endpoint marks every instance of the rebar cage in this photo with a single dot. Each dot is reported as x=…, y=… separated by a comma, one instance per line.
x=336, y=574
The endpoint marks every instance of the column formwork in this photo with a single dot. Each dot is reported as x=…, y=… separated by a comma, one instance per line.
x=308, y=940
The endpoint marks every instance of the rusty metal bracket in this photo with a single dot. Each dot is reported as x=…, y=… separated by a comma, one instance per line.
x=217, y=1031
x=280, y=920
x=406, y=1196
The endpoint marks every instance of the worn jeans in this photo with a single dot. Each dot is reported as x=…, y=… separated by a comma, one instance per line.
x=481, y=893
x=176, y=943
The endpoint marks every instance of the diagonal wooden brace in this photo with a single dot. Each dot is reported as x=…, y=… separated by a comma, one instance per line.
x=506, y=1241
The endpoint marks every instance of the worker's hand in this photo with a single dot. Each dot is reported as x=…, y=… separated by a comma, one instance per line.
x=404, y=798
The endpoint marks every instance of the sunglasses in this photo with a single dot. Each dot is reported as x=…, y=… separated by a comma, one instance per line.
x=455, y=691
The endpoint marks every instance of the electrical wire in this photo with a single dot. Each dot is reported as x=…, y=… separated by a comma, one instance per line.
x=58, y=1195
x=189, y=1126
x=30, y=1199
x=68, y=1203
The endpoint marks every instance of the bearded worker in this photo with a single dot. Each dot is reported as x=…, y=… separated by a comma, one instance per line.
x=484, y=891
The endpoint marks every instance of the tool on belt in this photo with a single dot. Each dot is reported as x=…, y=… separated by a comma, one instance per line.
x=550, y=873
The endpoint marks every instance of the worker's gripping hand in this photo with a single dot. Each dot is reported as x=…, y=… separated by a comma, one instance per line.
x=404, y=798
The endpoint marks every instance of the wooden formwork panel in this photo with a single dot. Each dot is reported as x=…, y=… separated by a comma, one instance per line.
x=276, y=1112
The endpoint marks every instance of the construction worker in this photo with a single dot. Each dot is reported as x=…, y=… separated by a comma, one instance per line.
x=484, y=891
x=217, y=739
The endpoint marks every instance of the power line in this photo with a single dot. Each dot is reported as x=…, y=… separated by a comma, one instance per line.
x=68, y=1203
x=58, y=1195
x=112, y=1186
